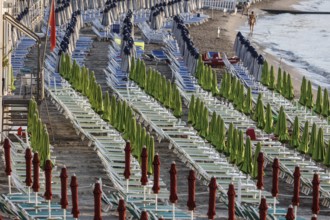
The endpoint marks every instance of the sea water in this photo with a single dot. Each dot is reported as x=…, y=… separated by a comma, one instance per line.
x=302, y=41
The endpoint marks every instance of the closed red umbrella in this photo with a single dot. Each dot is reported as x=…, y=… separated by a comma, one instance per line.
x=212, y=198
x=48, y=183
x=155, y=187
x=191, y=203
x=97, y=201
x=260, y=181
x=316, y=194
x=173, y=187
x=6, y=147
x=64, y=190
x=28, y=169
x=231, y=202
x=74, y=192
x=263, y=207
x=144, y=169
x=296, y=189
x=36, y=185
x=127, y=171
x=19, y=131
x=121, y=209
x=144, y=215
x=276, y=171
x=290, y=215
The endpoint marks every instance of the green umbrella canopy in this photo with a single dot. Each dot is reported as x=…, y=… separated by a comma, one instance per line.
x=318, y=151
x=269, y=120
x=151, y=152
x=168, y=94
x=99, y=100
x=240, y=103
x=132, y=70
x=248, y=102
x=233, y=87
x=279, y=83
x=295, y=139
x=46, y=149
x=202, y=76
x=278, y=123
x=313, y=138
x=266, y=74
x=173, y=98
x=289, y=88
x=230, y=136
x=326, y=160
x=212, y=127
x=205, y=123
x=309, y=95
x=284, y=88
x=271, y=84
x=62, y=65
x=113, y=110
x=246, y=165
x=256, y=113
x=254, y=173
x=223, y=85
x=233, y=145
x=261, y=116
x=200, y=117
x=303, y=91
x=196, y=114
x=284, y=134
x=237, y=92
x=228, y=86
x=133, y=134
x=107, y=107
x=215, y=89
x=220, y=136
x=240, y=148
x=319, y=103
x=303, y=147
x=325, y=106
x=178, y=106
x=191, y=112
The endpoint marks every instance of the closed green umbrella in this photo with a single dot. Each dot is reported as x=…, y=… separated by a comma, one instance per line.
x=303, y=146
x=107, y=107
x=325, y=106
x=246, y=165
x=178, y=106
x=223, y=85
x=209, y=79
x=278, y=123
x=220, y=136
x=240, y=104
x=240, y=148
x=233, y=87
x=62, y=65
x=265, y=78
x=133, y=134
x=257, y=107
x=215, y=89
x=309, y=95
x=269, y=120
x=271, y=85
x=279, y=83
x=173, y=98
x=289, y=88
x=284, y=134
x=191, y=112
x=46, y=149
x=151, y=152
x=163, y=89
x=196, y=123
x=284, y=88
x=233, y=145
x=205, y=123
x=295, y=139
x=247, y=109
x=312, y=141
x=168, y=94
x=326, y=161
x=228, y=86
x=212, y=127
x=113, y=111
x=318, y=151
x=99, y=100
x=236, y=93
x=133, y=69
x=303, y=92
x=254, y=173
x=230, y=136
x=261, y=116
x=319, y=103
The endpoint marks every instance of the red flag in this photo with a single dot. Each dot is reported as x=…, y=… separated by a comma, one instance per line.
x=53, y=26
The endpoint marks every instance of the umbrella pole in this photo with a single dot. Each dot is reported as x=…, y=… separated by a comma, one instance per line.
x=295, y=211
x=156, y=201
x=259, y=195
x=127, y=185
x=29, y=188
x=192, y=215
x=49, y=210
x=239, y=193
x=144, y=195
x=173, y=211
x=9, y=185
x=274, y=205
x=64, y=214
x=36, y=199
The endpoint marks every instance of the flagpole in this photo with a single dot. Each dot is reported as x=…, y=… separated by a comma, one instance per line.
x=44, y=55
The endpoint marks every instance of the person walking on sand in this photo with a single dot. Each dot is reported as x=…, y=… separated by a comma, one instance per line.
x=252, y=21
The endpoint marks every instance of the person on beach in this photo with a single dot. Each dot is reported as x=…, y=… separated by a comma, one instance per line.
x=252, y=21
x=244, y=8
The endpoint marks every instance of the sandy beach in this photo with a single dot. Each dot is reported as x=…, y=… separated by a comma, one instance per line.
x=205, y=36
